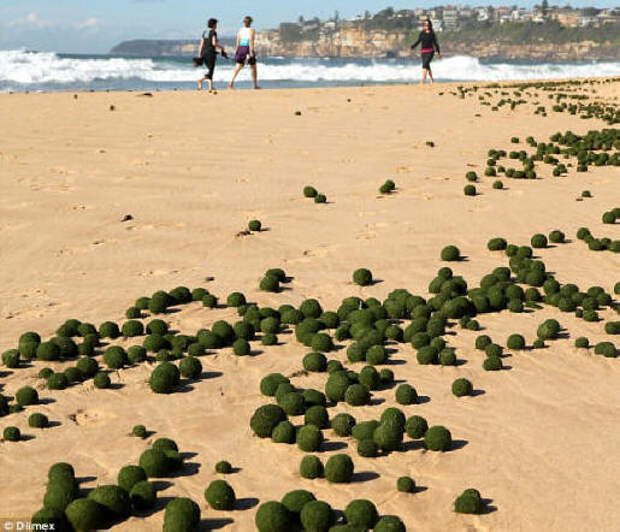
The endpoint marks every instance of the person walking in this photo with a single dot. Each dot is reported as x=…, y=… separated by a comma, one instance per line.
x=209, y=47
x=429, y=44
x=245, y=52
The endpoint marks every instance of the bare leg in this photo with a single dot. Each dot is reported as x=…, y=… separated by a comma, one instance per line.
x=238, y=68
x=430, y=75
x=210, y=82
x=200, y=82
x=254, y=76
x=423, y=76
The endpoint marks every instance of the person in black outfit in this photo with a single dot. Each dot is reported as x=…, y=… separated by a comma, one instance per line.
x=209, y=46
x=429, y=44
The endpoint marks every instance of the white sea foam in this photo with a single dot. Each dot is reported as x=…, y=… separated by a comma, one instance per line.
x=30, y=69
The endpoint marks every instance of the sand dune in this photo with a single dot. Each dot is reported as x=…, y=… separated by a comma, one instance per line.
x=192, y=169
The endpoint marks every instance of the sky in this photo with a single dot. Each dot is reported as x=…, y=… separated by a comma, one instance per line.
x=95, y=26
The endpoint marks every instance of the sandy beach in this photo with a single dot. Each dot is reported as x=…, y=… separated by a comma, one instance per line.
x=539, y=439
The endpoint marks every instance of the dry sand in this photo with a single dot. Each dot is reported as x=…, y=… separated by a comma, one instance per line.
x=541, y=441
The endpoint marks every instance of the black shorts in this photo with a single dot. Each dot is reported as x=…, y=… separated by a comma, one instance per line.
x=209, y=60
x=427, y=57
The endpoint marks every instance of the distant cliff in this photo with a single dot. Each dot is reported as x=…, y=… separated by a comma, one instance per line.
x=161, y=48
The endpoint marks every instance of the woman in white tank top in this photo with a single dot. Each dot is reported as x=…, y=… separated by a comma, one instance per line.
x=245, y=52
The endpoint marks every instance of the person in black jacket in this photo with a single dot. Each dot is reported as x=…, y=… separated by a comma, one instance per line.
x=429, y=44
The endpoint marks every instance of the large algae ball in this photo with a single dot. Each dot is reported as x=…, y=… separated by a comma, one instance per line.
x=362, y=277
x=339, y=469
x=273, y=517
x=220, y=495
x=438, y=438
x=265, y=419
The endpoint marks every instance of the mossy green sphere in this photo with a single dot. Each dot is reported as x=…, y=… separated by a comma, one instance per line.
x=115, y=357
x=462, y=387
x=132, y=328
x=492, y=363
x=607, y=349
x=57, y=381
x=61, y=471
x=468, y=503
x=317, y=415
x=295, y=500
x=139, y=431
x=38, y=421
x=45, y=373
x=84, y=514
x=416, y=427
x=154, y=463
x=316, y=516
x=101, y=381
x=406, y=395
x=539, y=241
x=515, y=342
x=48, y=351
x=241, y=347
x=129, y=476
x=181, y=515
x=390, y=523
x=265, y=419
x=27, y=395
x=270, y=383
x=292, y=403
x=311, y=467
x=364, y=430
x=438, y=438
x=405, y=485
x=339, y=469
x=357, y=395
x=220, y=495
x=12, y=434
x=10, y=358
x=309, y=438
x=273, y=516
x=60, y=492
x=113, y=499
x=367, y=448
x=315, y=362
x=190, y=367
x=255, y=225
x=223, y=467
x=235, y=299
x=164, y=378
x=469, y=190
x=320, y=198
x=388, y=436
x=343, y=424
x=322, y=342
x=362, y=277
x=336, y=386
x=361, y=513
x=143, y=495
x=450, y=253
x=447, y=357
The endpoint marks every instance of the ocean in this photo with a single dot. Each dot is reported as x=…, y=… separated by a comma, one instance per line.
x=45, y=71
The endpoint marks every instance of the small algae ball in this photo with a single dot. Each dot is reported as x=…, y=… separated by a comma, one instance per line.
x=27, y=395
x=388, y=436
x=357, y=395
x=310, y=192
x=469, y=502
x=241, y=347
x=311, y=467
x=48, y=351
x=223, y=467
x=139, y=431
x=273, y=516
x=515, y=342
x=320, y=198
x=235, y=299
x=343, y=424
x=317, y=415
x=607, y=349
x=322, y=342
x=295, y=500
x=132, y=328
x=498, y=185
x=309, y=438
x=315, y=362
x=84, y=514
x=438, y=438
x=469, y=190
x=255, y=225
x=190, y=368
x=164, y=378
x=339, y=469
x=416, y=427
x=58, y=381
x=11, y=434
x=493, y=363
x=450, y=253
x=154, y=463
x=539, y=241
x=362, y=277
x=220, y=495
x=113, y=499
x=265, y=419
x=367, y=448
x=390, y=523
x=101, y=381
x=10, y=358
x=361, y=513
x=462, y=387
x=316, y=516
x=115, y=357
x=181, y=515
x=406, y=395
x=405, y=484
x=143, y=495
x=129, y=476
x=270, y=383
x=292, y=403
x=38, y=420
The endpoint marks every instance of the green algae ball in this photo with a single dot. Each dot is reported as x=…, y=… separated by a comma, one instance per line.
x=416, y=427
x=255, y=225
x=516, y=342
x=357, y=395
x=84, y=514
x=438, y=438
x=405, y=484
x=181, y=515
x=220, y=495
x=143, y=495
x=113, y=499
x=343, y=424
x=339, y=469
x=492, y=363
x=309, y=438
x=38, y=421
x=450, y=253
x=361, y=513
x=27, y=395
x=462, y=387
x=316, y=516
x=190, y=368
x=311, y=467
x=265, y=419
x=295, y=500
x=273, y=516
x=390, y=523
x=154, y=463
x=362, y=277
x=406, y=395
